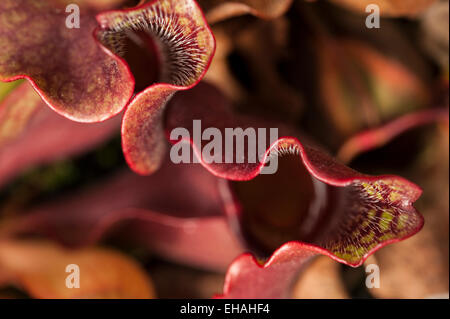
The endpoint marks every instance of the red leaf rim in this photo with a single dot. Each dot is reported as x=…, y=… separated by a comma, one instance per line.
x=172, y=221
x=373, y=138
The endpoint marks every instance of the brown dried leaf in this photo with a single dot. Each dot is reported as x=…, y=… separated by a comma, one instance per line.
x=218, y=10
x=320, y=280
x=390, y=8
x=40, y=269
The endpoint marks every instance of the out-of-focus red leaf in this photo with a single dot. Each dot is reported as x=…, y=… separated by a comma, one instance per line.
x=390, y=8
x=378, y=137
x=67, y=67
x=177, y=212
x=31, y=134
x=361, y=87
x=39, y=268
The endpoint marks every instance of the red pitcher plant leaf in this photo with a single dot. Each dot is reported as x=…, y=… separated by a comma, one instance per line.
x=40, y=269
x=67, y=67
x=378, y=137
x=314, y=203
x=178, y=32
x=31, y=134
x=171, y=212
x=218, y=10
x=406, y=275
x=390, y=8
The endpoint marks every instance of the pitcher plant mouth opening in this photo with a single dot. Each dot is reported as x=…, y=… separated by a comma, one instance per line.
x=348, y=221
x=286, y=206
x=159, y=43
